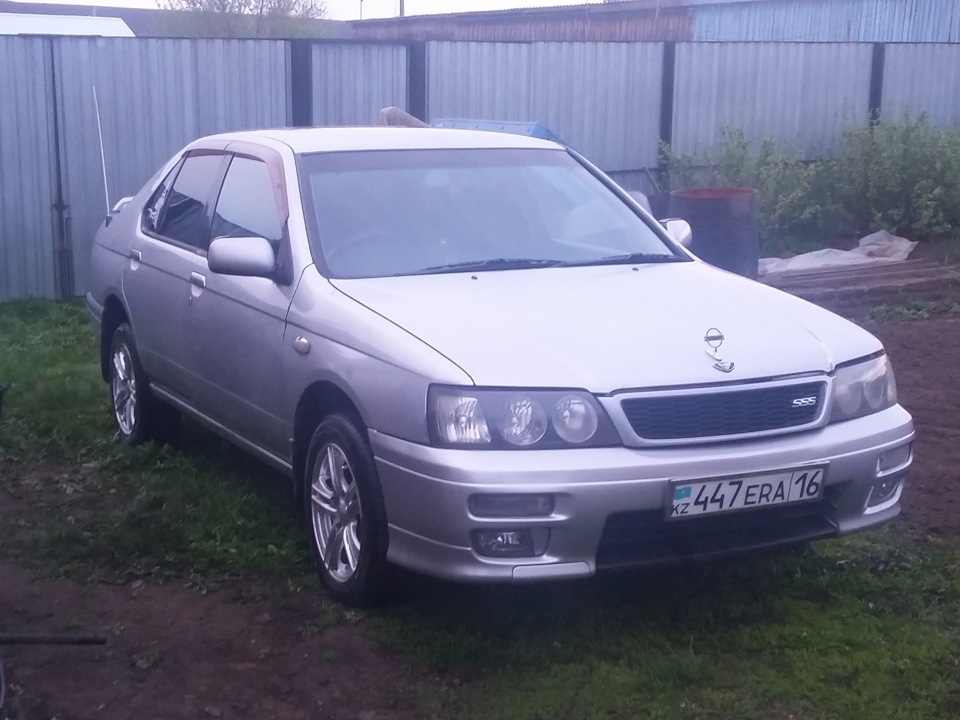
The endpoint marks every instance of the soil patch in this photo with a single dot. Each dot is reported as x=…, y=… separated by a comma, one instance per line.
x=173, y=652
x=925, y=359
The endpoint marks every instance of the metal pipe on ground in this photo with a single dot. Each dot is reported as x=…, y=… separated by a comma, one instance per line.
x=40, y=639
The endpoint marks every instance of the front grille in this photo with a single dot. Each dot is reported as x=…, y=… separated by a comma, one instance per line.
x=645, y=538
x=737, y=412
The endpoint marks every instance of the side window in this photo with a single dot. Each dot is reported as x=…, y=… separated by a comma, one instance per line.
x=184, y=217
x=247, y=205
x=151, y=213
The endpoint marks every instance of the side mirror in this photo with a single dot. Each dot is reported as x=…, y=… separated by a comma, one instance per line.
x=246, y=256
x=679, y=230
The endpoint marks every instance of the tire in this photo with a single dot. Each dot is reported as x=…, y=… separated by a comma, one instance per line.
x=138, y=415
x=344, y=512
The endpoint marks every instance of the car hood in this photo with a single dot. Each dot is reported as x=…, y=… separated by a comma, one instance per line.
x=612, y=327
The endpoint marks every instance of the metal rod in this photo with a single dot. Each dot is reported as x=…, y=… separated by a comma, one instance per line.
x=50, y=639
x=103, y=159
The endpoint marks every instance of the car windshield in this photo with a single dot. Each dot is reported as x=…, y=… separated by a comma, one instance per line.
x=409, y=212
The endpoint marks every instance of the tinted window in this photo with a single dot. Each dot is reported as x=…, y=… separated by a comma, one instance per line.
x=184, y=214
x=413, y=211
x=151, y=213
x=247, y=205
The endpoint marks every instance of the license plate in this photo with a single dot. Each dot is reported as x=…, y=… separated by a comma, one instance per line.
x=705, y=497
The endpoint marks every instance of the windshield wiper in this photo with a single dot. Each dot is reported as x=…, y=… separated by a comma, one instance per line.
x=628, y=259
x=491, y=264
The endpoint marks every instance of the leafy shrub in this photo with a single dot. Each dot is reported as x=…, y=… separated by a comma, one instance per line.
x=901, y=176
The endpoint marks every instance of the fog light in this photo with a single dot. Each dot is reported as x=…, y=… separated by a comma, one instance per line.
x=509, y=506
x=503, y=543
x=898, y=457
x=882, y=492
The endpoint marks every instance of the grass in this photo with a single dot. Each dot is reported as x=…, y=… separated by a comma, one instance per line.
x=105, y=510
x=913, y=309
x=858, y=629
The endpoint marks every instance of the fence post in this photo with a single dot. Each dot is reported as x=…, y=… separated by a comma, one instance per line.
x=301, y=83
x=666, y=113
x=417, y=80
x=877, y=64
x=63, y=247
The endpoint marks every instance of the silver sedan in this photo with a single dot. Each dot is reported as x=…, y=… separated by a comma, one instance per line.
x=477, y=357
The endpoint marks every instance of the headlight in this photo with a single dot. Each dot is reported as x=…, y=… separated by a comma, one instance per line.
x=574, y=419
x=864, y=388
x=517, y=419
x=460, y=420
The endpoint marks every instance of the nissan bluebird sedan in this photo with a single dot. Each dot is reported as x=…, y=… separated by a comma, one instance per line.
x=478, y=358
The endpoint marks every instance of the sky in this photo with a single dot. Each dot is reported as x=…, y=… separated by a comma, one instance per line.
x=350, y=9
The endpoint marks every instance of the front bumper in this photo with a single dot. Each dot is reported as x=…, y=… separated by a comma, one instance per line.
x=609, y=502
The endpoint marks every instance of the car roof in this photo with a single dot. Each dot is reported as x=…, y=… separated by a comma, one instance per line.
x=341, y=139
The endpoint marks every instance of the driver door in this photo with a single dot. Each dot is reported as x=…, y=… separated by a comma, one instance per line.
x=235, y=325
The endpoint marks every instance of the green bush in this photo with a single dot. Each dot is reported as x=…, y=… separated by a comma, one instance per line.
x=901, y=176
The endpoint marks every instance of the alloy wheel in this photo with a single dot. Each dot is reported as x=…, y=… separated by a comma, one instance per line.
x=124, y=389
x=336, y=513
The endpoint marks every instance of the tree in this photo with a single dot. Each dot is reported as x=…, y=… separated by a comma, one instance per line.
x=250, y=17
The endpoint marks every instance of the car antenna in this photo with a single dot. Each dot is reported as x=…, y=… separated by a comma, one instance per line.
x=103, y=160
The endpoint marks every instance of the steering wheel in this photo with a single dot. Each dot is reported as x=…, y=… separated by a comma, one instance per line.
x=364, y=245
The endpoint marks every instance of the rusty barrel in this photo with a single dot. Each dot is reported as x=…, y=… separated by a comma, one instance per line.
x=724, y=225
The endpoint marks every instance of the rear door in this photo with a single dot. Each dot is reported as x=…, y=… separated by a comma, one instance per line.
x=235, y=325
x=174, y=227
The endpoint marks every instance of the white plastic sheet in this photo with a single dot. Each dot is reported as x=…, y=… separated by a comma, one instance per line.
x=876, y=248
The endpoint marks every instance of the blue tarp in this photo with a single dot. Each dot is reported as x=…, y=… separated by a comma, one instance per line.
x=531, y=129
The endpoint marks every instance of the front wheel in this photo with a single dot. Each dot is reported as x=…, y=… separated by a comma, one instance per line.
x=345, y=513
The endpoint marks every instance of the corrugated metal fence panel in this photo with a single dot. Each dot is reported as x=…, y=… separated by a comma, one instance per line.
x=242, y=84
x=602, y=99
x=353, y=82
x=800, y=94
x=922, y=79
x=27, y=170
x=834, y=21
x=155, y=96
x=483, y=81
x=566, y=24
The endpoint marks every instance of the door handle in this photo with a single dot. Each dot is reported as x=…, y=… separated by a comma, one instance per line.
x=197, y=279
x=136, y=254
x=301, y=345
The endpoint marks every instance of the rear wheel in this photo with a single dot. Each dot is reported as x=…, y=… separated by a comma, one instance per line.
x=344, y=511
x=139, y=416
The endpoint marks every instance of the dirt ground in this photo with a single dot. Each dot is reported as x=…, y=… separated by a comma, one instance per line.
x=925, y=359
x=174, y=653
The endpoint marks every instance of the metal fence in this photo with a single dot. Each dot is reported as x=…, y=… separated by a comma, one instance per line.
x=27, y=172
x=922, y=78
x=603, y=99
x=612, y=102
x=795, y=93
x=352, y=82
